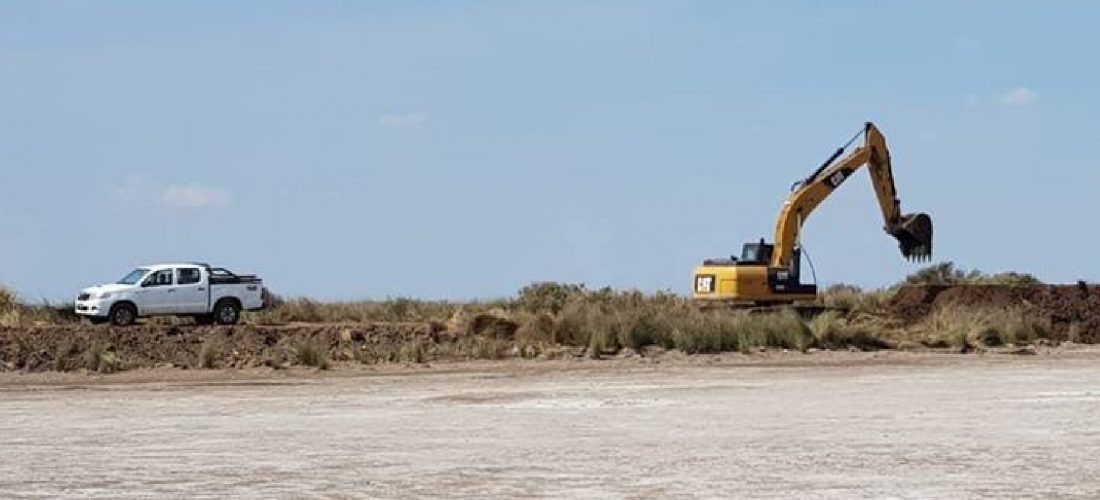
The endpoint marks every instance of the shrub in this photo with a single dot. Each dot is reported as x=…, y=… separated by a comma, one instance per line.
x=966, y=328
x=8, y=299
x=210, y=351
x=784, y=329
x=575, y=323
x=400, y=309
x=480, y=348
x=855, y=300
x=413, y=351
x=945, y=273
x=535, y=328
x=312, y=351
x=101, y=357
x=546, y=297
x=61, y=355
x=708, y=332
x=644, y=325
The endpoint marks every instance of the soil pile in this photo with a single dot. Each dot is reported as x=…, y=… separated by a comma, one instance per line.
x=1073, y=310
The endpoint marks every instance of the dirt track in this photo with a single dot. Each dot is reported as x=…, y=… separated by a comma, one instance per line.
x=826, y=425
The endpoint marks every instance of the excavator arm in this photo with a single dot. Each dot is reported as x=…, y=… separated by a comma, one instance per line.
x=913, y=231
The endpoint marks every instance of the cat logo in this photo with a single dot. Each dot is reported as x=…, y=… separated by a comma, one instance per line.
x=837, y=179
x=704, y=283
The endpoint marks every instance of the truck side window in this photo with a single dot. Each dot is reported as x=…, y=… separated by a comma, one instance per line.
x=160, y=278
x=188, y=276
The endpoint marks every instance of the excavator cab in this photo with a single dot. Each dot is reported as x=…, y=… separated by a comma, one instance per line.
x=756, y=253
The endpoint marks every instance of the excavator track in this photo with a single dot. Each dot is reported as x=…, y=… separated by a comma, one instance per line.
x=807, y=310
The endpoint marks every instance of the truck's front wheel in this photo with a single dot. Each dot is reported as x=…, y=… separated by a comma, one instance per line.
x=227, y=312
x=122, y=315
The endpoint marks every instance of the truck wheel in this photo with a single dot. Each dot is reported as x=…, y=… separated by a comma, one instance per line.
x=122, y=315
x=227, y=312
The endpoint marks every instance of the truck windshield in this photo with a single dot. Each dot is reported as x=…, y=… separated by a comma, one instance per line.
x=134, y=276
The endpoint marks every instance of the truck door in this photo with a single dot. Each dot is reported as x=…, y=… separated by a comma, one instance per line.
x=156, y=293
x=191, y=294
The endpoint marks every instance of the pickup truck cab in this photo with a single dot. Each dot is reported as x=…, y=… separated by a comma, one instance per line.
x=208, y=294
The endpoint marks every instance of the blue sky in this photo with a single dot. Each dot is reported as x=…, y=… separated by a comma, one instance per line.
x=464, y=149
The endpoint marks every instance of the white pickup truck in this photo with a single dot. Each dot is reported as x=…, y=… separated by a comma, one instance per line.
x=208, y=294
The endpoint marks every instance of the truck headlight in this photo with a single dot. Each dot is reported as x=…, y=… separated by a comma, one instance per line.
x=105, y=295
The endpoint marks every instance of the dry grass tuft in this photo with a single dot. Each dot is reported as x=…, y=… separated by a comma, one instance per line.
x=968, y=328
x=210, y=351
x=832, y=330
x=61, y=355
x=487, y=348
x=855, y=300
x=311, y=351
x=303, y=310
x=14, y=313
x=413, y=351
x=101, y=357
x=8, y=299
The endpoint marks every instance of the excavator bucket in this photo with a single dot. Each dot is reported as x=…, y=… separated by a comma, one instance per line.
x=914, y=234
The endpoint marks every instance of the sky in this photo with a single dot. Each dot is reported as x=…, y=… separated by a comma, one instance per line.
x=458, y=150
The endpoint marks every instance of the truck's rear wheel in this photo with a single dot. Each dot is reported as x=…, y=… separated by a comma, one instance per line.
x=227, y=312
x=122, y=315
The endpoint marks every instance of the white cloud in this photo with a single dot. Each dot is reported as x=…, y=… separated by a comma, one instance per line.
x=194, y=196
x=1018, y=96
x=402, y=119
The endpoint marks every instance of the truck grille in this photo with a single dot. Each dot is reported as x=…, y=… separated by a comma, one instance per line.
x=83, y=296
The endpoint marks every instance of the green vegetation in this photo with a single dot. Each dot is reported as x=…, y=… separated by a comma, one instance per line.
x=945, y=273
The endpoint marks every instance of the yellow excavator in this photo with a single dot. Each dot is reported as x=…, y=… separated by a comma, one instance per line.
x=769, y=273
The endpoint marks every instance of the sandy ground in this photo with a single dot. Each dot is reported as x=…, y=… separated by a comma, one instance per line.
x=821, y=426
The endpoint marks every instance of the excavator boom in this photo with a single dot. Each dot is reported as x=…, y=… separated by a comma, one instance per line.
x=913, y=231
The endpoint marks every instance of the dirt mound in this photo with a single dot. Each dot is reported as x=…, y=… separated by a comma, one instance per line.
x=911, y=303
x=1073, y=310
x=75, y=347
x=494, y=325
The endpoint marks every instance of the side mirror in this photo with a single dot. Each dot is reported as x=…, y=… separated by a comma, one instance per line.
x=146, y=283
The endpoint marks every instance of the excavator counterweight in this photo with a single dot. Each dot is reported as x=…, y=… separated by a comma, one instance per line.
x=768, y=273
